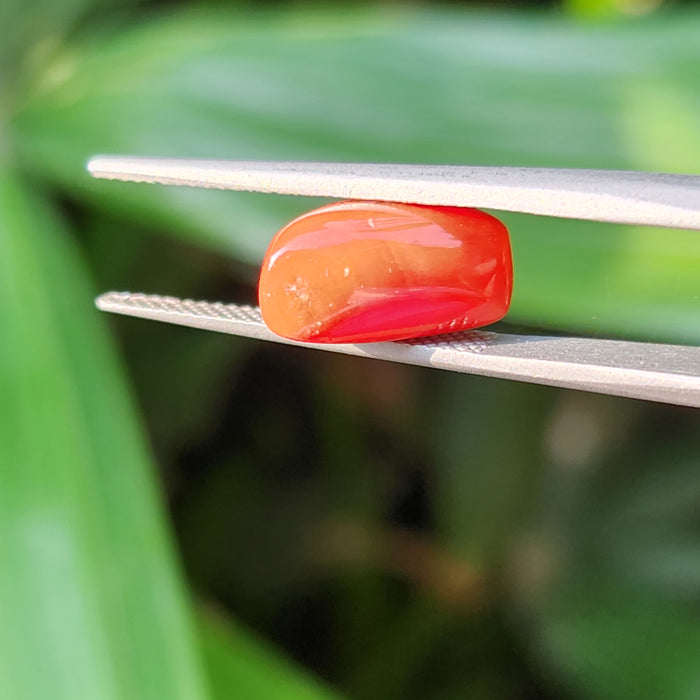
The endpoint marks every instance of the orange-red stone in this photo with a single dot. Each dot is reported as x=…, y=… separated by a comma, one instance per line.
x=357, y=272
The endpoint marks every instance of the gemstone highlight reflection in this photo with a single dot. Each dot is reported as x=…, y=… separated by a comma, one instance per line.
x=356, y=272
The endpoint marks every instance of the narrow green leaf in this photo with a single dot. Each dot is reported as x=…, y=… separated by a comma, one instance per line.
x=611, y=9
x=240, y=666
x=428, y=86
x=615, y=644
x=32, y=30
x=91, y=602
x=491, y=464
x=610, y=569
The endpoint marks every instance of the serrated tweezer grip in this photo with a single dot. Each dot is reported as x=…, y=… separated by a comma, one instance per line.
x=667, y=373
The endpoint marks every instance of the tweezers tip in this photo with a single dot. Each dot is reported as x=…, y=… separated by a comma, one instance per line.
x=107, y=301
x=94, y=166
x=101, y=166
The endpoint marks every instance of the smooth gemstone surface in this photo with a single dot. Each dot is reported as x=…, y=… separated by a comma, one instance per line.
x=357, y=272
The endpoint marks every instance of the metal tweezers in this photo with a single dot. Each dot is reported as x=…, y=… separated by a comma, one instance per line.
x=657, y=372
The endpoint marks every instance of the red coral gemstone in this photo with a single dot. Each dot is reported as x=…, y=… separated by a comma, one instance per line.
x=358, y=272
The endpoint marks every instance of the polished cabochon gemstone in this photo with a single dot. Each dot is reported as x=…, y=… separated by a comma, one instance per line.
x=359, y=272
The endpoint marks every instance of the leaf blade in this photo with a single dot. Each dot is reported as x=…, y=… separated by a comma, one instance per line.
x=95, y=597
x=430, y=87
x=237, y=662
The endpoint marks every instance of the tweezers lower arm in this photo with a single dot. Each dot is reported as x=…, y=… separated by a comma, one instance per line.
x=666, y=373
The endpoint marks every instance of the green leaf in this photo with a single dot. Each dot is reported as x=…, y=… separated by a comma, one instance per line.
x=644, y=528
x=616, y=644
x=428, y=86
x=491, y=464
x=610, y=9
x=610, y=573
x=32, y=30
x=241, y=666
x=91, y=600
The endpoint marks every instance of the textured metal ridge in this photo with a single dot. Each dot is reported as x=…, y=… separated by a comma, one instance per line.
x=667, y=373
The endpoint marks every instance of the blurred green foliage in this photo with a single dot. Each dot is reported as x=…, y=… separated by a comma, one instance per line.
x=400, y=533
